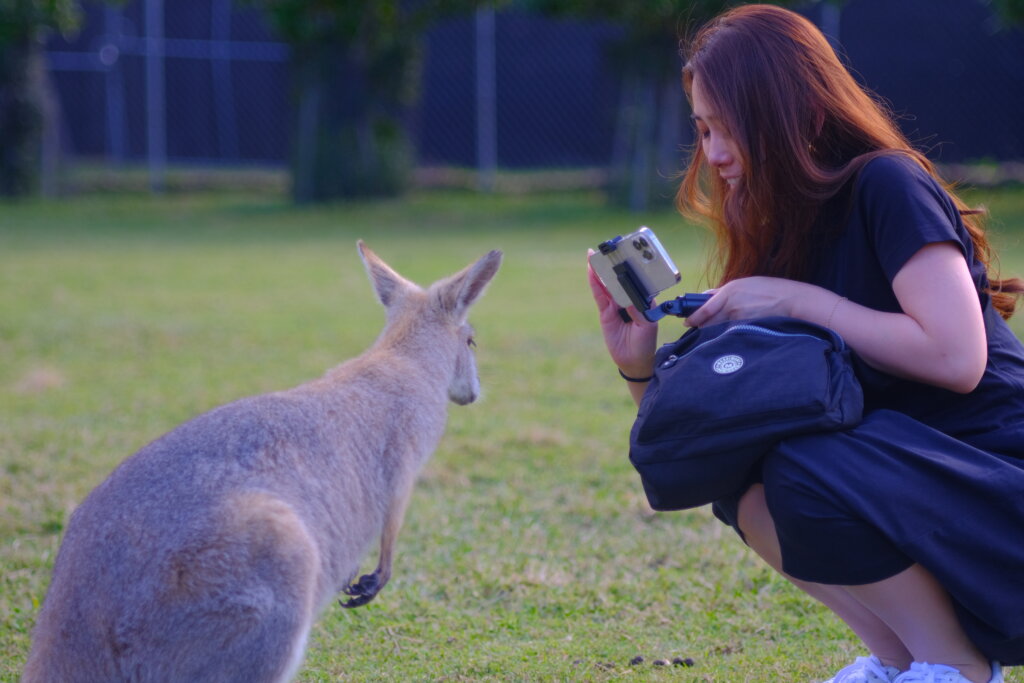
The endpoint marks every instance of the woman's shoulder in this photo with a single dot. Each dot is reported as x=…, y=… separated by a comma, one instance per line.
x=900, y=207
x=892, y=168
x=897, y=177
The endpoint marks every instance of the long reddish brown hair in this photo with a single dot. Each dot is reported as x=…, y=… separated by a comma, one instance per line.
x=803, y=128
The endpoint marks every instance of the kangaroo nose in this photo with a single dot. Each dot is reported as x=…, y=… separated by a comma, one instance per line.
x=464, y=399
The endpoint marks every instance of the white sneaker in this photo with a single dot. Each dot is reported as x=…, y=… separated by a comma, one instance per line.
x=923, y=672
x=866, y=670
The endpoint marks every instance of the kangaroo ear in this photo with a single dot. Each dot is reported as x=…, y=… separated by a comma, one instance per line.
x=458, y=292
x=388, y=284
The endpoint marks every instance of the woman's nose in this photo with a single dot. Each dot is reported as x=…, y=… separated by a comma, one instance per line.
x=718, y=152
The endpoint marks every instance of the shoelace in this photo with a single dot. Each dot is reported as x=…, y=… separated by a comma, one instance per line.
x=875, y=667
x=862, y=666
x=922, y=672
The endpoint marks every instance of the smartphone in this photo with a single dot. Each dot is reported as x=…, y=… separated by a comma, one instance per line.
x=634, y=268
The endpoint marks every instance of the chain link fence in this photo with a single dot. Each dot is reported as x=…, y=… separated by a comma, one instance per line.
x=206, y=83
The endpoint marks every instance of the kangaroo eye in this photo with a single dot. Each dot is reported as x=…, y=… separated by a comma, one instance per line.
x=471, y=342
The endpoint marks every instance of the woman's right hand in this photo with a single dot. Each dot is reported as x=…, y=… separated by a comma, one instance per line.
x=630, y=344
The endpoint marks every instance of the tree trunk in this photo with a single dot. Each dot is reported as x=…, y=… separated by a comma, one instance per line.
x=647, y=154
x=21, y=118
x=351, y=138
x=50, y=139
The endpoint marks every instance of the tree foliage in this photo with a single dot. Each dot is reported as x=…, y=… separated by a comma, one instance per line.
x=651, y=127
x=26, y=20
x=649, y=25
x=1010, y=11
x=355, y=67
x=23, y=23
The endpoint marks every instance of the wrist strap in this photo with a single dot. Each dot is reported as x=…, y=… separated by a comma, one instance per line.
x=639, y=380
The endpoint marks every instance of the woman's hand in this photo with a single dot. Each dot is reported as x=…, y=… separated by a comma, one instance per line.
x=754, y=297
x=630, y=344
x=937, y=338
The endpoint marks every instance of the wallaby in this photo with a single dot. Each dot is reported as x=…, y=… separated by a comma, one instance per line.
x=207, y=555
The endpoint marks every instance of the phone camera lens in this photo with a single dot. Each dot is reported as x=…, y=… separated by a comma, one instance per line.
x=648, y=255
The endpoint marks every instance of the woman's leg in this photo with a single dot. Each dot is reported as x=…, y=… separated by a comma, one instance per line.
x=919, y=611
x=905, y=617
x=759, y=533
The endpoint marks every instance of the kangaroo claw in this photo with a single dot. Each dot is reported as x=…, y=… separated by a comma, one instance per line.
x=363, y=590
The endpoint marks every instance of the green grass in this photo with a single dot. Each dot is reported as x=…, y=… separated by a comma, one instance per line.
x=529, y=552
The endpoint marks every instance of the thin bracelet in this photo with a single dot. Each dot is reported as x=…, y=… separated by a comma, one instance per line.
x=639, y=380
x=828, y=323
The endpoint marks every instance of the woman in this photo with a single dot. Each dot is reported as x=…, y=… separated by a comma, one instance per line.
x=908, y=525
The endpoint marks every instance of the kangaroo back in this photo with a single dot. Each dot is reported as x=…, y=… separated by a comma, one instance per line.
x=207, y=555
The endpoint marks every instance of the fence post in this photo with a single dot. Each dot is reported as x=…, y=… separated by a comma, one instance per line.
x=486, y=100
x=223, y=95
x=113, y=81
x=156, y=113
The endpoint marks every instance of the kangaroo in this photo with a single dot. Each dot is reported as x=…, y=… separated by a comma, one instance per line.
x=207, y=555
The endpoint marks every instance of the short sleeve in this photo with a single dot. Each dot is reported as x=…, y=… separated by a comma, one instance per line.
x=906, y=209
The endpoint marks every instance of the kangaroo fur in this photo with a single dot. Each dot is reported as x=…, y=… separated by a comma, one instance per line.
x=208, y=555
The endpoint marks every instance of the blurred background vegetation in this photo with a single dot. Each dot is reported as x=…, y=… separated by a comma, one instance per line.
x=181, y=187
x=368, y=99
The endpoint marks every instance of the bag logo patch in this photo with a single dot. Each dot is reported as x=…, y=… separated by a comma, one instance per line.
x=726, y=365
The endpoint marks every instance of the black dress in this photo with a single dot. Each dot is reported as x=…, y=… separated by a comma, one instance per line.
x=930, y=476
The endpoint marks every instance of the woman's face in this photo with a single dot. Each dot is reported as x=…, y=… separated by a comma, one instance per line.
x=719, y=147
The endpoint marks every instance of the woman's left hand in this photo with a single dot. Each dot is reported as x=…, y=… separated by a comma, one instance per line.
x=937, y=338
x=753, y=297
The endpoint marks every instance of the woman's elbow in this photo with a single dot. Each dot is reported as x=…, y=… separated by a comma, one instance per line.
x=962, y=375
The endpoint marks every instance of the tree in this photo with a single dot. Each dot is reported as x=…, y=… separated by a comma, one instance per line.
x=23, y=86
x=649, y=131
x=1010, y=11
x=355, y=72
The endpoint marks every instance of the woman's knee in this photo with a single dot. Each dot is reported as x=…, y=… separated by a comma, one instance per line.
x=758, y=527
x=797, y=495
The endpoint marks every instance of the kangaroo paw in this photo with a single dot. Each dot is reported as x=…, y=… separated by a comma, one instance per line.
x=362, y=591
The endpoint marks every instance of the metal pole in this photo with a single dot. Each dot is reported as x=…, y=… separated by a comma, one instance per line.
x=223, y=96
x=110, y=54
x=486, y=100
x=156, y=113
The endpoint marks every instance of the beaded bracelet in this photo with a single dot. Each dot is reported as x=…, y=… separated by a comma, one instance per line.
x=828, y=323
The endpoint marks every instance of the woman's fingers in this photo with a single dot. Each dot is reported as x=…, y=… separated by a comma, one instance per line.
x=601, y=295
x=706, y=312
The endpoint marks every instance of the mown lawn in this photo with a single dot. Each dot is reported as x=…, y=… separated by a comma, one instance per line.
x=529, y=552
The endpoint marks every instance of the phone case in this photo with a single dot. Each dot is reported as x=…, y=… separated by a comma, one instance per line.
x=651, y=265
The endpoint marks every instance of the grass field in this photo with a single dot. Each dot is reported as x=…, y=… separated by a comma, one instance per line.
x=529, y=552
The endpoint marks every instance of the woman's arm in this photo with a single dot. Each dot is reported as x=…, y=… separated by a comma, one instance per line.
x=939, y=338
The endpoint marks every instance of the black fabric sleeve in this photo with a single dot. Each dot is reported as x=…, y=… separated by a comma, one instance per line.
x=906, y=209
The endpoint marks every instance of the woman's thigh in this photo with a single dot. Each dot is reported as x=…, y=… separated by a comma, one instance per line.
x=861, y=505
